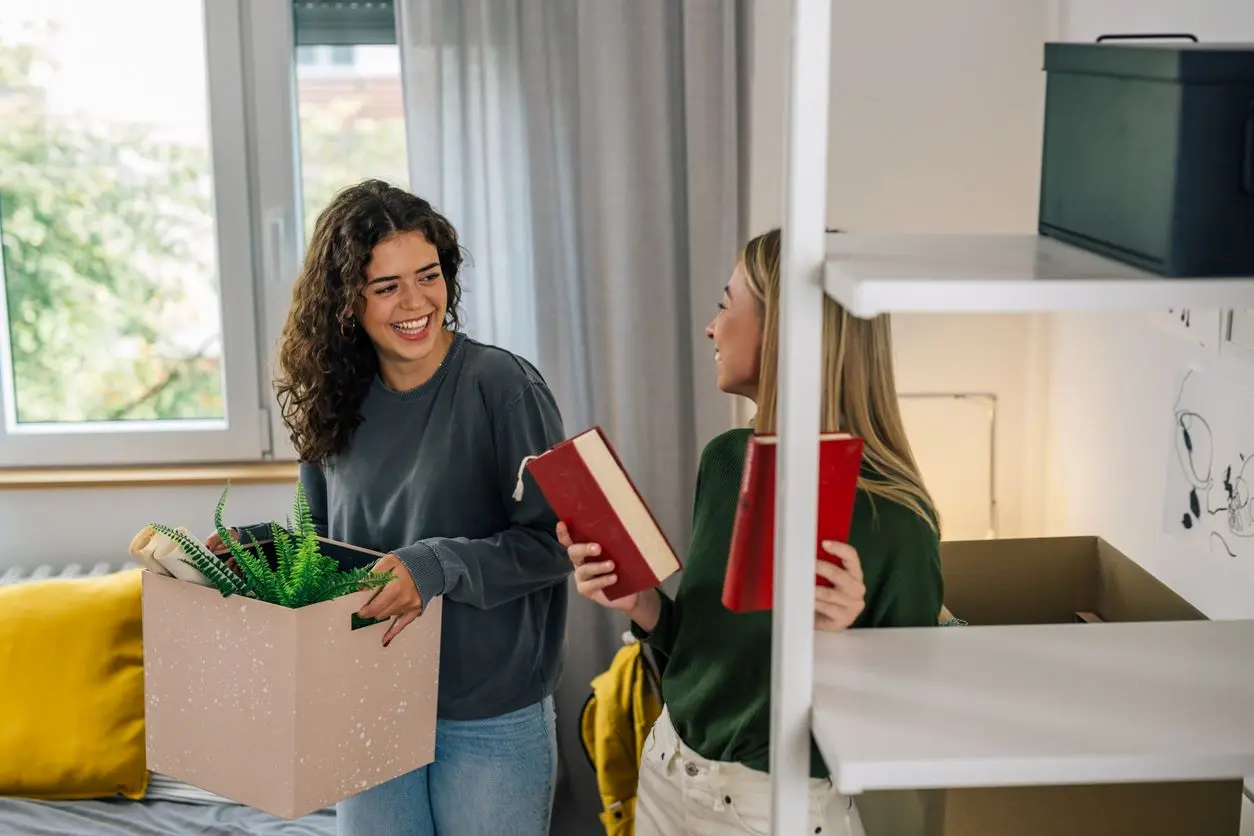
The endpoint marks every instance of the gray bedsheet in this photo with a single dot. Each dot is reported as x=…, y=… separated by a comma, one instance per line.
x=21, y=817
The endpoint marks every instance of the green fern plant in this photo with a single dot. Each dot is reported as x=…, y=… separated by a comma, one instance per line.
x=301, y=574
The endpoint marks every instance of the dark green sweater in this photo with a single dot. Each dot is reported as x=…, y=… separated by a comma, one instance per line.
x=717, y=681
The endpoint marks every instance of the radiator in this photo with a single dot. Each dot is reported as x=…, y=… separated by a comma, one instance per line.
x=21, y=574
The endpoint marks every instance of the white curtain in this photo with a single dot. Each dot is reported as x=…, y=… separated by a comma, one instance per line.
x=468, y=152
x=589, y=153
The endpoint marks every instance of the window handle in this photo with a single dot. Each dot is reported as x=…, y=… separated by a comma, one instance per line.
x=273, y=249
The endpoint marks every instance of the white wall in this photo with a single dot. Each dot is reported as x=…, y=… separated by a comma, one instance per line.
x=88, y=525
x=1209, y=20
x=1113, y=376
x=1000, y=355
x=936, y=115
x=936, y=120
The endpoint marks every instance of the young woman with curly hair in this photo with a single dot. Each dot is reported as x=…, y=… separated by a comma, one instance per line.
x=704, y=765
x=411, y=435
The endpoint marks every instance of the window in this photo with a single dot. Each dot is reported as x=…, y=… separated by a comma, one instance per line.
x=128, y=329
x=155, y=198
x=352, y=118
x=318, y=123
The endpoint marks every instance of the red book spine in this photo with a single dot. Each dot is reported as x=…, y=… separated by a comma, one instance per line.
x=752, y=533
x=749, y=582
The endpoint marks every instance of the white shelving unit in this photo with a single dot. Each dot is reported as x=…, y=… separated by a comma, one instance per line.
x=801, y=312
x=1003, y=273
x=873, y=274
x=1021, y=705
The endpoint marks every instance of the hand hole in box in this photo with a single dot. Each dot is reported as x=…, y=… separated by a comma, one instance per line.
x=358, y=622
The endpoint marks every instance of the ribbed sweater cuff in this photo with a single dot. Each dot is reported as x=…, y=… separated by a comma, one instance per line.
x=660, y=637
x=424, y=567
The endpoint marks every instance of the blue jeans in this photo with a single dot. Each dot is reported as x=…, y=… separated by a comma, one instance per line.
x=492, y=777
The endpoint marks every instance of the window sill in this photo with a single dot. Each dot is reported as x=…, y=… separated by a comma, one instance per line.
x=237, y=473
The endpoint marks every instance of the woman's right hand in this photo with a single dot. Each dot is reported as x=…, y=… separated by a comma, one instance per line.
x=592, y=576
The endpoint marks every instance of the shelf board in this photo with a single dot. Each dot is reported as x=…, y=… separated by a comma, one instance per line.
x=930, y=708
x=872, y=274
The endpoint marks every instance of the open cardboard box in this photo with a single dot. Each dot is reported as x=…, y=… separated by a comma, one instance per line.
x=285, y=710
x=1050, y=581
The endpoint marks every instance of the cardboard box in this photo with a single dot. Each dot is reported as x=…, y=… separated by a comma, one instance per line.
x=285, y=710
x=1049, y=581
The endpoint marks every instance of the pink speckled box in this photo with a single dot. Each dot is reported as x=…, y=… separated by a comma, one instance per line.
x=285, y=710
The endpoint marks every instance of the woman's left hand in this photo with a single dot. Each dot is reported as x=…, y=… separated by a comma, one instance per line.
x=838, y=607
x=397, y=599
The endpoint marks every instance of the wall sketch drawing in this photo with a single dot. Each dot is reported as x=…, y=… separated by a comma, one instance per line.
x=1207, y=497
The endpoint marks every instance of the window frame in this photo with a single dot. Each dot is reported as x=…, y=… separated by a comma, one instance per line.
x=277, y=172
x=245, y=433
x=273, y=146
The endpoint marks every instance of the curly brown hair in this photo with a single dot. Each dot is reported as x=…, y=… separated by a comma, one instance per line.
x=326, y=360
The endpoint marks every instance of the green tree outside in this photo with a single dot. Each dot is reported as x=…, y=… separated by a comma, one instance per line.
x=102, y=231
x=340, y=147
x=107, y=233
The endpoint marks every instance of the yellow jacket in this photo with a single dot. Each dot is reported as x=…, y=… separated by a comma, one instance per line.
x=614, y=724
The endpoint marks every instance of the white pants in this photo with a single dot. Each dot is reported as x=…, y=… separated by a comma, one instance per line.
x=683, y=794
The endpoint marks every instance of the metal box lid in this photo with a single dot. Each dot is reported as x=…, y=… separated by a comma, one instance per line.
x=1183, y=62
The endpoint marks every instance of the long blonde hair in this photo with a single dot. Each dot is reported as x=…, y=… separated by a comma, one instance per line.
x=859, y=388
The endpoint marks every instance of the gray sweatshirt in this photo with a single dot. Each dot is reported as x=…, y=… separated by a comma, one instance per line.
x=430, y=475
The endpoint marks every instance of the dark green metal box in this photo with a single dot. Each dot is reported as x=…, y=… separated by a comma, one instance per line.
x=1148, y=154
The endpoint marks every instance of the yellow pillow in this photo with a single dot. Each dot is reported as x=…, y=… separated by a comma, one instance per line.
x=72, y=688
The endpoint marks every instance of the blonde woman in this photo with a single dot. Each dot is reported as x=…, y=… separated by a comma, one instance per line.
x=704, y=766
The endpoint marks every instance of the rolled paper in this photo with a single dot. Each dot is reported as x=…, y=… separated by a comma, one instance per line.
x=164, y=556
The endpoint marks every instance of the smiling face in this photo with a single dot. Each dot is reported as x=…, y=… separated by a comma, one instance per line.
x=737, y=335
x=403, y=309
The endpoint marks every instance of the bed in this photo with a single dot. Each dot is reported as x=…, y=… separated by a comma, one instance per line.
x=150, y=817
x=168, y=808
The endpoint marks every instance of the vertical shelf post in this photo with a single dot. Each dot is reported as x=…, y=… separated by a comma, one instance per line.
x=800, y=341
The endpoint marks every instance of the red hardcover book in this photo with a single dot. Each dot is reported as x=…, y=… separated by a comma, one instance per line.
x=749, y=583
x=589, y=489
